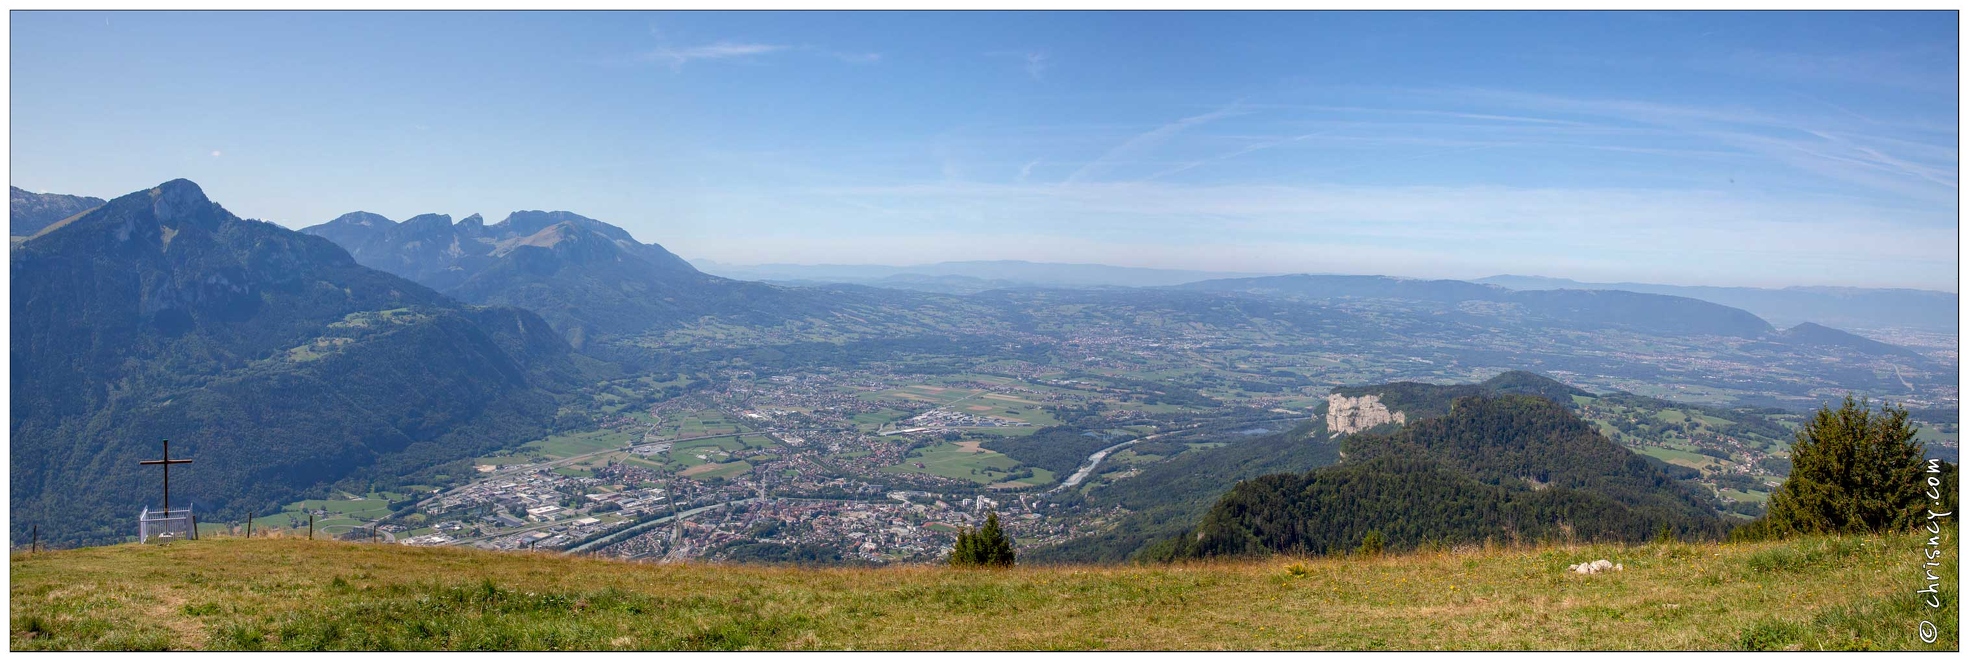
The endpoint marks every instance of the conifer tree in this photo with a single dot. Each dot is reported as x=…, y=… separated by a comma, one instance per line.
x=1852, y=471
x=1373, y=543
x=988, y=546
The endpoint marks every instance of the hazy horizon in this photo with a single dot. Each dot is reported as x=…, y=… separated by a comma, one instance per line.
x=1472, y=278
x=1763, y=149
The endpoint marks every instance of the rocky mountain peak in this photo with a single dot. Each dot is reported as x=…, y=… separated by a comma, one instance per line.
x=180, y=202
x=423, y=224
x=363, y=219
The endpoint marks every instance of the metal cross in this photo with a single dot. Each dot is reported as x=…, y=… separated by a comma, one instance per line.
x=167, y=462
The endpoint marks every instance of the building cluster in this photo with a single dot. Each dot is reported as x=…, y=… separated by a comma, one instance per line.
x=945, y=418
x=829, y=484
x=906, y=526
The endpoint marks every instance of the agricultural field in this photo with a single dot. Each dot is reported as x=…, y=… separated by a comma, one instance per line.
x=696, y=424
x=1931, y=436
x=964, y=460
x=876, y=420
x=582, y=443
x=925, y=393
x=342, y=514
x=1681, y=457
x=1738, y=495
x=688, y=455
x=713, y=471
x=1040, y=476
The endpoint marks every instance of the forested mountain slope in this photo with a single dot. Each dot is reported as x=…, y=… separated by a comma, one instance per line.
x=270, y=357
x=1502, y=468
x=1172, y=496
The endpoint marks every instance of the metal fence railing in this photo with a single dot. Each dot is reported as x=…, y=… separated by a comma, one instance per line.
x=176, y=523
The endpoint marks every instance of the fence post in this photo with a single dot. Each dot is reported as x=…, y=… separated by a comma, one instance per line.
x=249, y=525
x=311, y=526
x=35, y=546
x=194, y=525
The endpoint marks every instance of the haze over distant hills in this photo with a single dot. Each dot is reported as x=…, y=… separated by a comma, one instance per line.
x=1651, y=313
x=968, y=276
x=30, y=212
x=1845, y=307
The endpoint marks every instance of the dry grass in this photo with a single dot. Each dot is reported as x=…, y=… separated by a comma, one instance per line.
x=224, y=593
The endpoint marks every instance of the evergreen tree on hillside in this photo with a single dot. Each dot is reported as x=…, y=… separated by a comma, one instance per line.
x=1853, y=470
x=1372, y=543
x=987, y=547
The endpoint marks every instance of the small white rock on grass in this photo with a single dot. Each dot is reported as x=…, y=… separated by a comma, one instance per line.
x=1596, y=567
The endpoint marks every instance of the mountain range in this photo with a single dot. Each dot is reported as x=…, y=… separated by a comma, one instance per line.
x=968, y=276
x=1849, y=307
x=270, y=356
x=584, y=276
x=587, y=277
x=30, y=212
x=365, y=352
x=1585, y=309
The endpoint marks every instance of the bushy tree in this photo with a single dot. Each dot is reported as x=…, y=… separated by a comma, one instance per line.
x=1373, y=543
x=1853, y=470
x=987, y=547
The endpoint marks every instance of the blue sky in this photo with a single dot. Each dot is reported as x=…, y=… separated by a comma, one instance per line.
x=1765, y=149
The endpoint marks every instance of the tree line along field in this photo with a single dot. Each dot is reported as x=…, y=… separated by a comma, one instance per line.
x=222, y=593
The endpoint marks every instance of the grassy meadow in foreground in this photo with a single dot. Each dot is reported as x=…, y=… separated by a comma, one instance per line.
x=228, y=593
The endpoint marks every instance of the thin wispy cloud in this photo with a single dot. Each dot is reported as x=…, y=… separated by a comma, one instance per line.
x=1147, y=141
x=1386, y=111
x=1910, y=68
x=1035, y=62
x=856, y=58
x=1794, y=148
x=1451, y=231
x=1254, y=147
x=1025, y=171
x=678, y=56
x=1798, y=141
x=1346, y=198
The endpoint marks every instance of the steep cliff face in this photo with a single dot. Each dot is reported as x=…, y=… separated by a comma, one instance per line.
x=1345, y=415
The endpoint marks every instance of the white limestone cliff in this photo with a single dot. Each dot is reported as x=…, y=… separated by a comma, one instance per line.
x=1346, y=415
